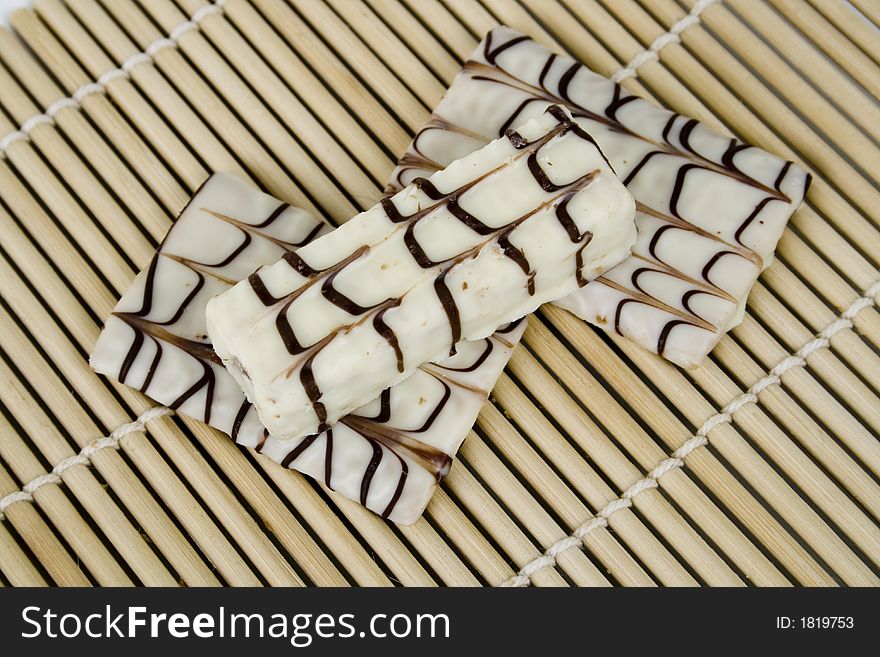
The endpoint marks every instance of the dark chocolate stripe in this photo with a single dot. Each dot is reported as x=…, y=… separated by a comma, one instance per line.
x=449, y=307
x=668, y=127
x=328, y=458
x=302, y=446
x=491, y=55
x=273, y=216
x=151, y=370
x=385, y=331
x=207, y=379
x=748, y=220
x=541, y=176
x=398, y=491
x=714, y=259
x=338, y=299
x=565, y=81
x=664, y=334
x=519, y=257
x=547, y=65
x=307, y=378
x=239, y=418
x=429, y=422
x=618, y=100
x=487, y=351
x=429, y=189
x=467, y=218
x=732, y=149
x=370, y=470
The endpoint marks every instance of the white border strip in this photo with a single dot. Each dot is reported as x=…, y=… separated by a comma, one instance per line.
x=98, y=87
x=672, y=36
x=676, y=460
x=26, y=494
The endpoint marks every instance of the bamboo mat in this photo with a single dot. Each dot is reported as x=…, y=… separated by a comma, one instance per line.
x=596, y=463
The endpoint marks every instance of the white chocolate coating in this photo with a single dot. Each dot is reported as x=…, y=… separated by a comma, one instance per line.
x=389, y=455
x=522, y=221
x=711, y=208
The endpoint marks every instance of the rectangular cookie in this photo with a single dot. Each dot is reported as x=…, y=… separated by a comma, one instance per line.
x=522, y=221
x=710, y=209
x=388, y=455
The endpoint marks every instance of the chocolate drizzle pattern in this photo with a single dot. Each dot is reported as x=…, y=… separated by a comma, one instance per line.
x=624, y=126
x=440, y=200
x=151, y=338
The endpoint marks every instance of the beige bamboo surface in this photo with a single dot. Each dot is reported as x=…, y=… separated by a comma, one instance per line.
x=559, y=479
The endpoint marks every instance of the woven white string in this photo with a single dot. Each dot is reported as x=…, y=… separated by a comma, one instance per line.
x=84, y=457
x=672, y=36
x=99, y=86
x=677, y=459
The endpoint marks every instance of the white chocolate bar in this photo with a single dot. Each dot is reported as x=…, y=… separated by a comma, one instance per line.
x=389, y=454
x=710, y=209
x=522, y=221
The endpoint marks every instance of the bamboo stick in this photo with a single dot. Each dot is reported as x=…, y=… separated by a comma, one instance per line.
x=501, y=528
x=319, y=142
x=145, y=165
x=406, y=567
x=435, y=550
x=468, y=539
x=37, y=535
x=777, y=447
x=248, y=105
x=342, y=118
x=311, y=49
x=47, y=140
x=384, y=43
x=184, y=82
x=580, y=476
x=156, y=132
x=63, y=208
x=91, y=553
x=750, y=511
x=148, y=568
x=758, y=473
x=859, y=31
x=15, y=565
x=538, y=522
x=652, y=504
x=868, y=10
x=817, y=151
x=813, y=66
x=825, y=447
x=437, y=19
x=145, y=82
x=360, y=566
x=832, y=42
x=558, y=498
x=132, y=492
x=733, y=33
